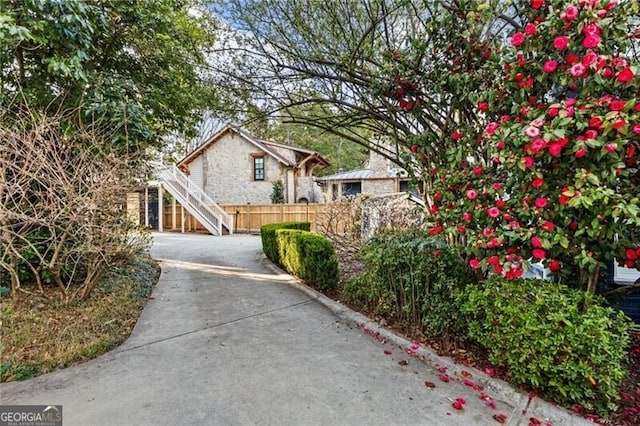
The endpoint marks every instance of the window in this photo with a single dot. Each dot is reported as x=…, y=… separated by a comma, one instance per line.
x=258, y=168
x=351, y=189
x=408, y=186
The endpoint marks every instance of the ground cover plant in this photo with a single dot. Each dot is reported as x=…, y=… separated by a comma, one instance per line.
x=41, y=334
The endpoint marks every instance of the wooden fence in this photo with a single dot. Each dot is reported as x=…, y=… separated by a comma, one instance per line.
x=250, y=217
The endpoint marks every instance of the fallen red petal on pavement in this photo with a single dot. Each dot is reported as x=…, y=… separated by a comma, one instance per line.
x=457, y=405
x=500, y=418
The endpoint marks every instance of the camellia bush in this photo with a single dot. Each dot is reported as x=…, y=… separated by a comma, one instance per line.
x=558, y=181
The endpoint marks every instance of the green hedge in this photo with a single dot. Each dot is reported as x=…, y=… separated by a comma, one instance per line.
x=541, y=334
x=411, y=277
x=268, y=235
x=308, y=256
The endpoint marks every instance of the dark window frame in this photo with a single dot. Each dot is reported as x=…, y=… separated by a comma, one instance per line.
x=258, y=172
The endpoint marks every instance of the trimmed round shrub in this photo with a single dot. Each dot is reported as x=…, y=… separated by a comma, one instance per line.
x=268, y=236
x=308, y=256
x=562, y=342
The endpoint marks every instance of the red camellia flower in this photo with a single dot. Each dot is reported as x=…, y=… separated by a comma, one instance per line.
x=561, y=42
x=631, y=254
x=538, y=253
x=536, y=4
x=580, y=152
x=491, y=128
x=477, y=170
x=616, y=105
x=456, y=135
x=472, y=194
x=555, y=149
x=497, y=186
x=493, y=212
x=570, y=14
x=625, y=75
x=436, y=230
x=636, y=129
x=619, y=123
x=537, y=182
x=547, y=226
x=611, y=147
x=474, y=263
x=538, y=144
x=414, y=148
x=595, y=122
x=528, y=161
x=589, y=59
x=591, y=41
x=591, y=134
x=530, y=29
x=536, y=241
x=541, y=202
x=483, y=105
x=571, y=58
x=467, y=216
x=517, y=39
x=577, y=70
x=555, y=266
x=607, y=73
x=550, y=66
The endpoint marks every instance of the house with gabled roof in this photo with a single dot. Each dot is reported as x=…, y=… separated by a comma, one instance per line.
x=234, y=167
x=379, y=176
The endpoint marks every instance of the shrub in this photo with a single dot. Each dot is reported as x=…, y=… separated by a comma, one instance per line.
x=411, y=277
x=545, y=338
x=268, y=235
x=308, y=256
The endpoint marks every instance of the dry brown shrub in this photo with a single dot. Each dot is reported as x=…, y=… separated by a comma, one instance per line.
x=62, y=221
x=348, y=225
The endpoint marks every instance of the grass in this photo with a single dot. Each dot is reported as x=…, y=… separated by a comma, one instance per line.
x=40, y=334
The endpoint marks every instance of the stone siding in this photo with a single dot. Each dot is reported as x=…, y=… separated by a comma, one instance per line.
x=307, y=188
x=229, y=172
x=378, y=165
x=381, y=186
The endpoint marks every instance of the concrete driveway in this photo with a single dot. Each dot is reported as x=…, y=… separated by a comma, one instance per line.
x=227, y=340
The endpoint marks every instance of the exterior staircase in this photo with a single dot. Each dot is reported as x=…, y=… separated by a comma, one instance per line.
x=192, y=197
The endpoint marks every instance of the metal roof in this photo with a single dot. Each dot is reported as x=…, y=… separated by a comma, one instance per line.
x=348, y=175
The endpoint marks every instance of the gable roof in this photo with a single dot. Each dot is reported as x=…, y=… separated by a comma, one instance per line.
x=268, y=147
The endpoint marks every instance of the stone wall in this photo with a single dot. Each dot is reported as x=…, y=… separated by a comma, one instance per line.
x=378, y=186
x=307, y=188
x=378, y=165
x=228, y=170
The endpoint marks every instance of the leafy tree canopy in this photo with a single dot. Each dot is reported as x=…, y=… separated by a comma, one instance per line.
x=137, y=65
